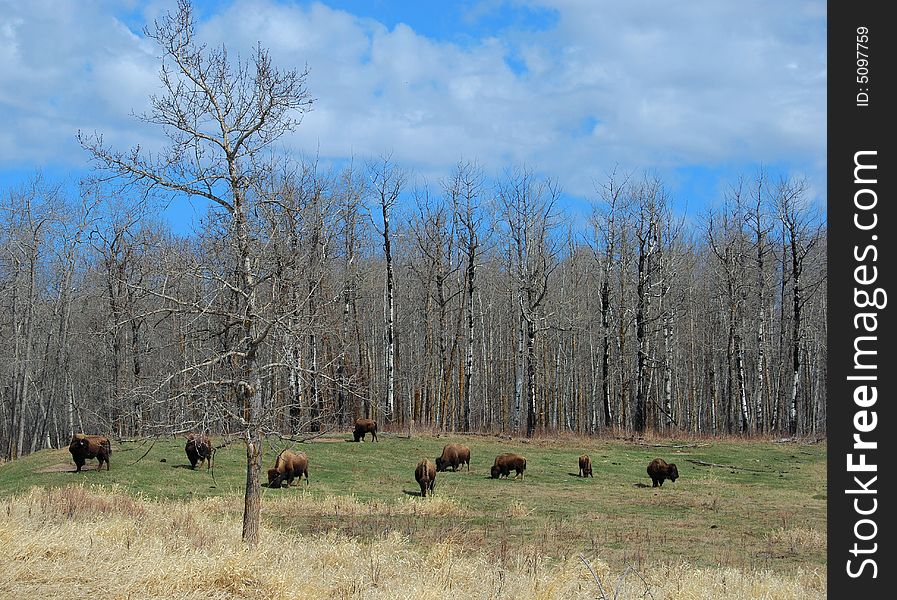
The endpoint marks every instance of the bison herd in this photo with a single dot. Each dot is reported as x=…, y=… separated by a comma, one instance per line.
x=290, y=466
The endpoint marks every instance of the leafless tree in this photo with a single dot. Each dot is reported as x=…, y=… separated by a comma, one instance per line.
x=387, y=182
x=528, y=208
x=220, y=116
x=465, y=189
x=803, y=234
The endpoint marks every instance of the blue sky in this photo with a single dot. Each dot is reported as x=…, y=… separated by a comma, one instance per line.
x=696, y=92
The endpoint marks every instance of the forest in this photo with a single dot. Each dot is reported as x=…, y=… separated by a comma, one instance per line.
x=466, y=306
x=310, y=293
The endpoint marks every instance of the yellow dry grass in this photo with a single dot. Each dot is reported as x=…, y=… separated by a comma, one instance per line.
x=343, y=506
x=75, y=540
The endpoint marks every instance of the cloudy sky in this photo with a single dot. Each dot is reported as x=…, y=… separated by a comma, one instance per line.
x=695, y=91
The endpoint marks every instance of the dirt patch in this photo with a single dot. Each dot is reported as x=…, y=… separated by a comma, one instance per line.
x=65, y=468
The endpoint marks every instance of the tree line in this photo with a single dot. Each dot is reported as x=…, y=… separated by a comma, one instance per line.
x=467, y=306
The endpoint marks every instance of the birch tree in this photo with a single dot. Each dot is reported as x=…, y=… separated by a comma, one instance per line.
x=387, y=181
x=802, y=233
x=465, y=188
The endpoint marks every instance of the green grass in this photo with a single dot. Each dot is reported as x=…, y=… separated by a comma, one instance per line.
x=759, y=515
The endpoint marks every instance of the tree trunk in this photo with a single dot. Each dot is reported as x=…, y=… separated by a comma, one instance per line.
x=390, y=318
x=252, y=505
x=796, y=338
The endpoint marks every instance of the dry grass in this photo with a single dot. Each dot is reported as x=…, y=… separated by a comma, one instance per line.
x=799, y=539
x=74, y=540
x=348, y=506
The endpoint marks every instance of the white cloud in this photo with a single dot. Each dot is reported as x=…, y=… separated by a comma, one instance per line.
x=66, y=66
x=643, y=84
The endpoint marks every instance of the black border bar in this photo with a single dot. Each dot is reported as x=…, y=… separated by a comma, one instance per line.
x=862, y=225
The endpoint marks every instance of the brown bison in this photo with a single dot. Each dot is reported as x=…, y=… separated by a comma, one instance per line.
x=425, y=474
x=363, y=427
x=659, y=470
x=454, y=456
x=585, y=466
x=505, y=463
x=90, y=446
x=199, y=448
x=289, y=465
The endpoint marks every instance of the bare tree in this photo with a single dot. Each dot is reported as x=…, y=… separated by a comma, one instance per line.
x=351, y=196
x=606, y=223
x=803, y=232
x=727, y=243
x=528, y=208
x=648, y=203
x=465, y=188
x=30, y=214
x=220, y=117
x=760, y=228
x=433, y=230
x=387, y=181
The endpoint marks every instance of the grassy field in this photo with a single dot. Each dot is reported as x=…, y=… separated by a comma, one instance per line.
x=762, y=512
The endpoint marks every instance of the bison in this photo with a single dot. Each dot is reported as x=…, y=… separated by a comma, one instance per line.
x=454, y=456
x=289, y=465
x=505, y=463
x=199, y=448
x=363, y=427
x=425, y=474
x=659, y=470
x=90, y=446
x=585, y=466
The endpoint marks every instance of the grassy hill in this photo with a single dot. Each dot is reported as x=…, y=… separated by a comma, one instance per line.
x=761, y=507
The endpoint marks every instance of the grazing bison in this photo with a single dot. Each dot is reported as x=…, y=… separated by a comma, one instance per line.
x=289, y=465
x=454, y=456
x=90, y=446
x=585, y=466
x=659, y=470
x=363, y=427
x=425, y=474
x=199, y=449
x=505, y=463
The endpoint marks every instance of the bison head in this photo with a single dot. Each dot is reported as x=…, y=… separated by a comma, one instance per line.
x=672, y=472
x=274, y=478
x=495, y=471
x=81, y=443
x=440, y=464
